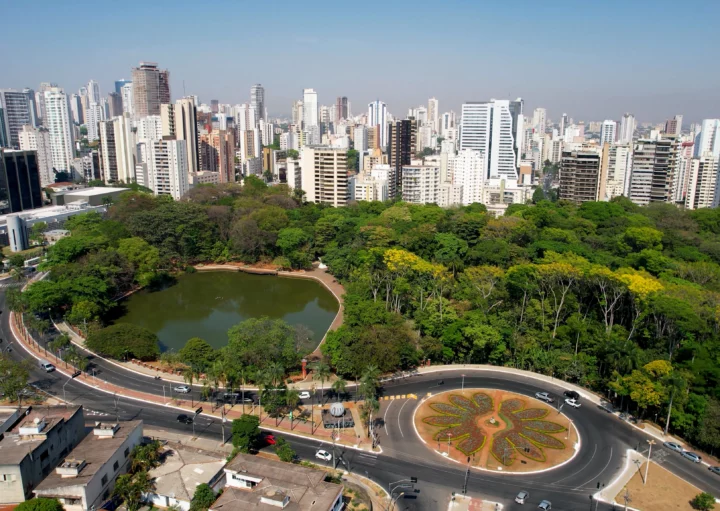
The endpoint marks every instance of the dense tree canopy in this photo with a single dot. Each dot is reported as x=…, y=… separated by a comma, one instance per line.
x=124, y=341
x=596, y=294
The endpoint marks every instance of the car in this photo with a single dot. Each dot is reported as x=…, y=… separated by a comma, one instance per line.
x=692, y=456
x=714, y=470
x=269, y=438
x=231, y=397
x=323, y=455
x=182, y=389
x=304, y=395
x=571, y=394
x=47, y=366
x=184, y=419
x=522, y=497
x=572, y=402
x=545, y=505
x=544, y=396
x=673, y=446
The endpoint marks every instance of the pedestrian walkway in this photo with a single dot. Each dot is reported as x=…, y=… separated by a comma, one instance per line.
x=633, y=462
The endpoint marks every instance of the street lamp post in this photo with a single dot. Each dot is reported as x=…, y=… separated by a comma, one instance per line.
x=448, y=449
x=647, y=467
x=72, y=377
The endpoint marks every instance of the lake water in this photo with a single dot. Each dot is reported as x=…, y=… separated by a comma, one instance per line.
x=207, y=304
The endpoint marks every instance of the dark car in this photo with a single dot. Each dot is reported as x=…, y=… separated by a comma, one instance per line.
x=714, y=470
x=184, y=419
x=571, y=394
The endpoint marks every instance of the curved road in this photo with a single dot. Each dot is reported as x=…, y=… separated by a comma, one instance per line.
x=604, y=437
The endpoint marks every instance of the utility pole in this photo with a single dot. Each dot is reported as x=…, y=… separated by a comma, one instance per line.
x=647, y=467
x=222, y=423
x=467, y=475
x=627, y=498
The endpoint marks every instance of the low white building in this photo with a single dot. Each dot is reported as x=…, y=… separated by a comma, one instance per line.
x=86, y=478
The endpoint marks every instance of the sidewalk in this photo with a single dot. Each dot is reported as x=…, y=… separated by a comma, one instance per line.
x=465, y=503
x=633, y=462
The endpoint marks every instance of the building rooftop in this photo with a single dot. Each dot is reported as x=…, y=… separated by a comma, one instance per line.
x=89, y=455
x=304, y=487
x=182, y=469
x=31, y=431
x=94, y=191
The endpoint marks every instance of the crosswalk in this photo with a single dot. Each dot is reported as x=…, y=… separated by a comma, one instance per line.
x=10, y=284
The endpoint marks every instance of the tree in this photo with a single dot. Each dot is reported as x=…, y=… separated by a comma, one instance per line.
x=339, y=387
x=538, y=195
x=292, y=154
x=197, y=353
x=256, y=341
x=40, y=504
x=353, y=160
x=130, y=487
x=13, y=377
x=284, y=451
x=124, y=341
x=146, y=456
x=246, y=432
x=203, y=498
x=704, y=502
x=144, y=258
x=321, y=372
x=17, y=261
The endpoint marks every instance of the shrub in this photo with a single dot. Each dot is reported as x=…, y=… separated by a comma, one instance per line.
x=40, y=504
x=124, y=341
x=704, y=502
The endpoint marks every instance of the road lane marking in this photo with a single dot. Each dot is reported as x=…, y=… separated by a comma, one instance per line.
x=578, y=471
x=385, y=416
x=400, y=413
x=599, y=474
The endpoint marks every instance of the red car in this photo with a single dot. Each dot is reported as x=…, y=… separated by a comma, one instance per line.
x=269, y=438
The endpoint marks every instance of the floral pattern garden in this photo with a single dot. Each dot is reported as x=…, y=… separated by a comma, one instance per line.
x=498, y=430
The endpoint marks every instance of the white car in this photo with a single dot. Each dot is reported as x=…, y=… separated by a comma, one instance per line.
x=323, y=455
x=182, y=389
x=572, y=402
x=544, y=396
x=304, y=395
x=545, y=505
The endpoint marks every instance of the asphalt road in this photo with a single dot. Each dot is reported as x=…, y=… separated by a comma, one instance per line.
x=605, y=438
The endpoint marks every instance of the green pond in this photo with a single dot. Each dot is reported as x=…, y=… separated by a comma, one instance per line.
x=207, y=304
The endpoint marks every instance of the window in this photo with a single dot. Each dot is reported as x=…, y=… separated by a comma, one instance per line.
x=116, y=465
x=7, y=477
x=127, y=452
x=104, y=480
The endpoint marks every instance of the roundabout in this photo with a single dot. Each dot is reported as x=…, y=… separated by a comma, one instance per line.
x=497, y=430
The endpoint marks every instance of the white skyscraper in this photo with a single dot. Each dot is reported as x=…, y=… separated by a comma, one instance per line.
x=167, y=168
x=60, y=129
x=495, y=129
x=433, y=114
x=420, y=183
x=257, y=101
x=377, y=116
x=360, y=138
x=607, y=132
x=117, y=150
x=447, y=122
x=127, y=98
x=38, y=139
x=469, y=171
x=149, y=128
x=618, y=164
x=539, y=120
x=93, y=89
x=709, y=139
x=627, y=129
x=95, y=114
x=310, y=108
x=245, y=117
x=702, y=189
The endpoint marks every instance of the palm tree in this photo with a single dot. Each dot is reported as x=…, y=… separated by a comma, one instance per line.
x=369, y=381
x=339, y=386
x=275, y=372
x=189, y=377
x=370, y=407
x=321, y=371
x=292, y=399
x=130, y=488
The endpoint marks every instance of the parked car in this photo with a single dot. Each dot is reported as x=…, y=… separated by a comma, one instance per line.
x=692, y=456
x=544, y=396
x=184, y=419
x=269, y=438
x=304, y=395
x=545, y=505
x=572, y=402
x=231, y=397
x=522, y=497
x=323, y=455
x=182, y=389
x=673, y=446
x=714, y=470
x=571, y=394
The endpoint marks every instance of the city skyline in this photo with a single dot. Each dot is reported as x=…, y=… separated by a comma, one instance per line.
x=545, y=57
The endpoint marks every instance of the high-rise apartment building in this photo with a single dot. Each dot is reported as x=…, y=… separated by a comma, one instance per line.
x=93, y=89
x=95, y=114
x=20, y=187
x=447, y=122
x=297, y=112
x=257, y=101
x=59, y=125
x=581, y=179
x=682, y=172
x=149, y=128
x=115, y=105
x=150, y=89
x=40, y=99
x=117, y=150
x=341, y=109
x=360, y=138
x=608, y=130
x=420, y=184
x=324, y=175
x=14, y=114
x=617, y=166
x=377, y=118
x=402, y=140
x=127, y=99
x=539, y=121
x=433, y=114
x=310, y=108
x=674, y=126
x=38, y=140
x=186, y=129
x=702, y=190
x=627, y=129
x=34, y=117
x=167, y=168
x=245, y=117
x=119, y=84
x=468, y=171
x=708, y=141
x=652, y=171
x=494, y=128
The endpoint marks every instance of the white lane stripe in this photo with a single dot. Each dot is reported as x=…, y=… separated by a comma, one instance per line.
x=385, y=416
x=599, y=474
x=400, y=413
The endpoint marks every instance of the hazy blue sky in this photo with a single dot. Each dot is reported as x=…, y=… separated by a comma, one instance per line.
x=593, y=60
